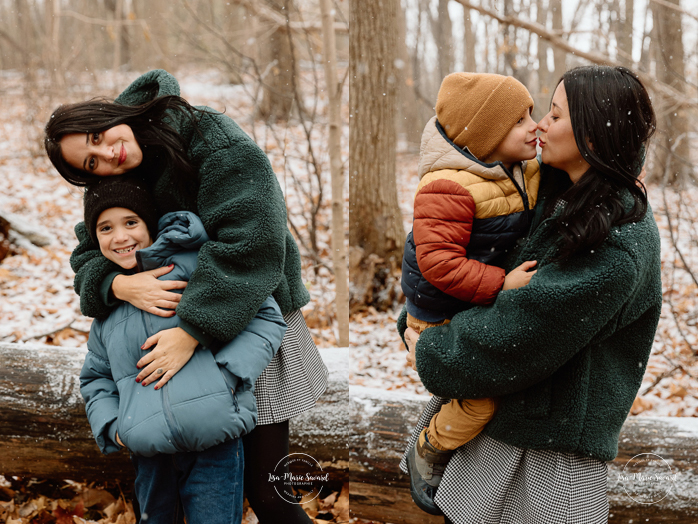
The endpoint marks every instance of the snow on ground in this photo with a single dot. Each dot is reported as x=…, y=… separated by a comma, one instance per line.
x=36, y=290
x=670, y=385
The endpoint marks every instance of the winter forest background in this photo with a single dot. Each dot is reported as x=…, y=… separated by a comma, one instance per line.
x=262, y=62
x=535, y=41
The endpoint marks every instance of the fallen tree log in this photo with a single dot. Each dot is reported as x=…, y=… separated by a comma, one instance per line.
x=381, y=421
x=34, y=233
x=44, y=432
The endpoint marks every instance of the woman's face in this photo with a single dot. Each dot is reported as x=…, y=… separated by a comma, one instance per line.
x=111, y=152
x=559, y=149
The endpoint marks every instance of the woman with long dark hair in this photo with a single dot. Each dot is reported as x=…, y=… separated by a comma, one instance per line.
x=199, y=160
x=565, y=355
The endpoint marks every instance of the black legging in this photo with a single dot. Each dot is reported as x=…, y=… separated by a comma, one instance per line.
x=264, y=447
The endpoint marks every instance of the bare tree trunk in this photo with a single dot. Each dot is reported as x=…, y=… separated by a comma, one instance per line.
x=409, y=119
x=509, y=36
x=237, y=26
x=673, y=155
x=25, y=39
x=117, y=7
x=644, y=64
x=543, y=94
x=442, y=30
x=624, y=35
x=278, y=95
x=486, y=47
x=339, y=253
x=469, y=63
x=559, y=55
x=155, y=54
x=376, y=233
x=52, y=46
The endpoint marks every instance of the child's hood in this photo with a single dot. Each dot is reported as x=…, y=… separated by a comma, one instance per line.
x=438, y=152
x=178, y=231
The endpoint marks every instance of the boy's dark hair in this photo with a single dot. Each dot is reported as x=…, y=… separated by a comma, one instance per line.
x=127, y=191
x=612, y=120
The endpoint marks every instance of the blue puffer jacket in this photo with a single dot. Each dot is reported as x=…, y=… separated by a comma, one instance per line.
x=210, y=400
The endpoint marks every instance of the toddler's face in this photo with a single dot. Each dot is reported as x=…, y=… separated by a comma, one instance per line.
x=519, y=144
x=120, y=233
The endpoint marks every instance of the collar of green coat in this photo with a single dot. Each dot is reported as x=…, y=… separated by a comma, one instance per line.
x=152, y=84
x=437, y=152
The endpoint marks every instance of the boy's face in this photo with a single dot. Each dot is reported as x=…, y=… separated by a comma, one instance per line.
x=519, y=144
x=120, y=233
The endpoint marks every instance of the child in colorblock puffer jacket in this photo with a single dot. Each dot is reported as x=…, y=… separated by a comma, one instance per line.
x=478, y=186
x=183, y=437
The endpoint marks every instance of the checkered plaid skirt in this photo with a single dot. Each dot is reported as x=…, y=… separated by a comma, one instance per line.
x=490, y=482
x=294, y=379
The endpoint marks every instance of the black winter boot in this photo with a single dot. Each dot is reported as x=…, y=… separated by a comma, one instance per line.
x=426, y=465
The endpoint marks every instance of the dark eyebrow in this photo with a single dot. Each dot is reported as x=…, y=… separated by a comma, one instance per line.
x=553, y=103
x=87, y=140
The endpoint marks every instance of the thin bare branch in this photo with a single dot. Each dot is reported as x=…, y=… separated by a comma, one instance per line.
x=271, y=16
x=675, y=7
x=556, y=41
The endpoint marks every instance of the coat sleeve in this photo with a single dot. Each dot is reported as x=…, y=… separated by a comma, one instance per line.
x=248, y=354
x=100, y=394
x=242, y=208
x=92, y=271
x=530, y=332
x=443, y=222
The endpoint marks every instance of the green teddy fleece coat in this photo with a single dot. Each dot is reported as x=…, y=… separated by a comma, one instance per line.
x=566, y=353
x=251, y=254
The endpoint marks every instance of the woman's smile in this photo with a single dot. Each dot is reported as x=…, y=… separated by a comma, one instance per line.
x=122, y=154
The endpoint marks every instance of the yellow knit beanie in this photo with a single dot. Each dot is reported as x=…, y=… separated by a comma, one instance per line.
x=478, y=110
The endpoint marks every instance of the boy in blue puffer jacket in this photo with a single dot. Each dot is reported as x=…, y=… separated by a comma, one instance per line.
x=183, y=437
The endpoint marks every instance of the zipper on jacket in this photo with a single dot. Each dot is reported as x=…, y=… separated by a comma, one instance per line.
x=170, y=418
x=522, y=191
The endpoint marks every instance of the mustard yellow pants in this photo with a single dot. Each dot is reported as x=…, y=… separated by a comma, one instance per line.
x=461, y=420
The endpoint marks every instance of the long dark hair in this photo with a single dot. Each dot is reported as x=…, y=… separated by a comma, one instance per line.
x=150, y=122
x=612, y=120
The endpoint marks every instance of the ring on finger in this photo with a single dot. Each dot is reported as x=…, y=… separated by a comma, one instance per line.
x=159, y=371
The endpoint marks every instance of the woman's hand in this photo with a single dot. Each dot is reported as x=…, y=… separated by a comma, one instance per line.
x=144, y=291
x=519, y=276
x=118, y=440
x=411, y=338
x=174, y=349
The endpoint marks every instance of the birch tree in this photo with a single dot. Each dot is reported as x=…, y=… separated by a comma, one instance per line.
x=339, y=254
